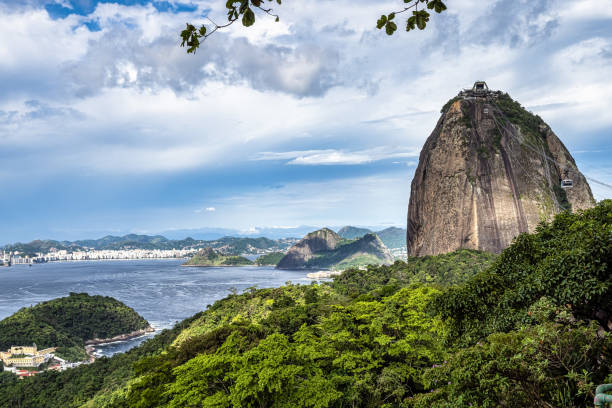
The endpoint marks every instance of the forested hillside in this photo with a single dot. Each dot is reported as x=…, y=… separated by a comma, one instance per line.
x=528, y=328
x=68, y=322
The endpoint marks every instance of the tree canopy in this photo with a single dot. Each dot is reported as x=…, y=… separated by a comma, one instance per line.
x=246, y=11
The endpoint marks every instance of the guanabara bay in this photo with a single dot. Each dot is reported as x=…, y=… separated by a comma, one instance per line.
x=266, y=204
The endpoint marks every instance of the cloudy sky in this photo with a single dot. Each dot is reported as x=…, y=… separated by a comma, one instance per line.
x=108, y=126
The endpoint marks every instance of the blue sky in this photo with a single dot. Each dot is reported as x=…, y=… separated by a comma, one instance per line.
x=107, y=126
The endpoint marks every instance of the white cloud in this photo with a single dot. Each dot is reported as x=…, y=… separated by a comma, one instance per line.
x=322, y=87
x=336, y=157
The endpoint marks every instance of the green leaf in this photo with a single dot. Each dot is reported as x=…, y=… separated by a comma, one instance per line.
x=390, y=28
x=437, y=5
x=248, y=18
x=422, y=17
x=381, y=22
x=411, y=23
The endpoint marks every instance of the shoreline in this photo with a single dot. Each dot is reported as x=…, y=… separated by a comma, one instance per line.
x=120, y=337
x=223, y=266
x=93, y=260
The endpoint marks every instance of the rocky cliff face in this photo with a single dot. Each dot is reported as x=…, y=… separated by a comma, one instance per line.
x=489, y=171
x=326, y=249
x=317, y=241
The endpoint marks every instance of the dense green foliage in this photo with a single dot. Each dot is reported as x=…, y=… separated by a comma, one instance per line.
x=440, y=270
x=270, y=259
x=525, y=329
x=517, y=114
x=68, y=322
x=210, y=257
x=566, y=260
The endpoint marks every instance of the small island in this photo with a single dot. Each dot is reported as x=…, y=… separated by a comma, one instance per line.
x=60, y=329
x=208, y=257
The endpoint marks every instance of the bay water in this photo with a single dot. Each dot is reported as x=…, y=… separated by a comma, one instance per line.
x=161, y=290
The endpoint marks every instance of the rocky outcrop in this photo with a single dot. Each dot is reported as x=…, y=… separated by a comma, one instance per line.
x=325, y=249
x=489, y=171
x=317, y=241
x=370, y=248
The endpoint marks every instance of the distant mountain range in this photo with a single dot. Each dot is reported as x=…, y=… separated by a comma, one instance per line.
x=225, y=245
x=392, y=237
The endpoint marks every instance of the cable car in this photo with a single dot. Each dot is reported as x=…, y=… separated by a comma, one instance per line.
x=566, y=182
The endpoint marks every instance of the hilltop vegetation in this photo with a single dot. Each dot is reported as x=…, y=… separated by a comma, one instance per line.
x=68, y=322
x=271, y=259
x=210, y=257
x=528, y=328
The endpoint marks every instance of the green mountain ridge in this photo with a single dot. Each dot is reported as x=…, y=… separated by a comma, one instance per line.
x=228, y=245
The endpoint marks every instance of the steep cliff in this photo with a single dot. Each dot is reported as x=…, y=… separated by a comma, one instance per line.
x=317, y=241
x=326, y=249
x=489, y=171
x=367, y=250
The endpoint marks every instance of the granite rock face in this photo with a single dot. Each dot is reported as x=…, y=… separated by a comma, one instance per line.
x=317, y=241
x=489, y=171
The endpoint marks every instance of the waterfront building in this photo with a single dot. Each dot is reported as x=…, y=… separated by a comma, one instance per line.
x=26, y=356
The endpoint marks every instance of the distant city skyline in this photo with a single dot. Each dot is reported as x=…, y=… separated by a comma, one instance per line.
x=108, y=127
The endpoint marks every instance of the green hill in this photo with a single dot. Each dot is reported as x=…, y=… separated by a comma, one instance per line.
x=68, y=322
x=350, y=232
x=271, y=259
x=210, y=257
x=393, y=237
